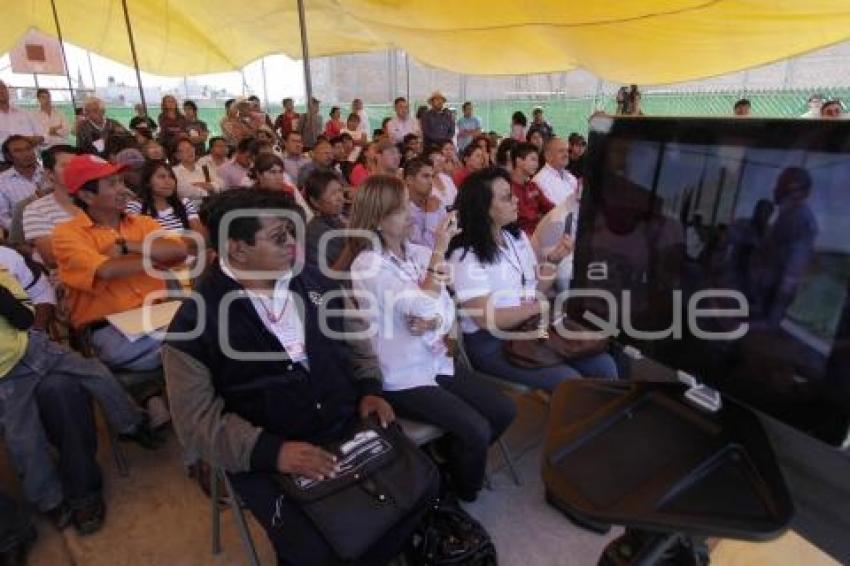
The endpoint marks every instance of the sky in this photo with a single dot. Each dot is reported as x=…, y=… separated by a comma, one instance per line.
x=284, y=76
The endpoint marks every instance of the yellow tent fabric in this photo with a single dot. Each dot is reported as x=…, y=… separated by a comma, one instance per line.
x=640, y=41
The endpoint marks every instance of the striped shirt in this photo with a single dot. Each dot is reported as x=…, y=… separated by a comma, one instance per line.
x=167, y=218
x=42, y=216
x=14, y=188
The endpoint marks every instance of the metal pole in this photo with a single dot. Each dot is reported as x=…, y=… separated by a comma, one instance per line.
x=133, y=52
x=91, y=72
x=407, y=73
x=305, y=52
x=35, y=78
x=64, y=56
x=265, y=87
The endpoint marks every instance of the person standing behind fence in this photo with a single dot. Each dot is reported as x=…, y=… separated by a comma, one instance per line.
x=52, y=123
x=437, y=123
x=310, y=125
x=467, y=127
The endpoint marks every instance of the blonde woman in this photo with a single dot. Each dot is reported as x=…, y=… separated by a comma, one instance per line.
x=400, y=287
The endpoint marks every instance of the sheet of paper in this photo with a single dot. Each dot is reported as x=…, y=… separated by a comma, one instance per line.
x=136, y=323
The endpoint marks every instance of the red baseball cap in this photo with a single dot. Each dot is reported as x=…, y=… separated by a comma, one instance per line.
x=84, y=168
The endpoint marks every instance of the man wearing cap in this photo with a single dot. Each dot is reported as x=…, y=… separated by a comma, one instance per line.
x=437, y=123
x=538, y=124
x=44, y=214
x=403, y=123
x=101, y=262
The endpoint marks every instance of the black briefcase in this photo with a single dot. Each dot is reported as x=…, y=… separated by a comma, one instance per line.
x=382, y=479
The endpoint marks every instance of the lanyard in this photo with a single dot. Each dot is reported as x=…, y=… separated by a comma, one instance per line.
x=519, y=267
x=402, y=268
x=273, y=317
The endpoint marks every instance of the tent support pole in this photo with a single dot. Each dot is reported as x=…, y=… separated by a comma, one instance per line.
x=133, y=52
x=64, y=56
x=265, y=86
x=407, y=73
x=305, y=53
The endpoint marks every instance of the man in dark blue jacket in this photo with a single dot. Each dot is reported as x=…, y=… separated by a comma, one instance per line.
x=261, y=385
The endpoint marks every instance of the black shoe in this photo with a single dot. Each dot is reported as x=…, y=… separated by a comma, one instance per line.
x=14, y=548
x=144, y=435
x=89, y=518
x=60, y=516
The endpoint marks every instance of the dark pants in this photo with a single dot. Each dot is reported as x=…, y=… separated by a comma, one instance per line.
x=296, y=541
x=473, y=413
x=68, y=419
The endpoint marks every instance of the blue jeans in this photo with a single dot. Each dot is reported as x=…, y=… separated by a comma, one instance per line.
x=118, y=353
x=485, y=353
x=46, y=398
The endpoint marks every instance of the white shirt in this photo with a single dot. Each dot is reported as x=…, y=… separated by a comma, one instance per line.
x=556, y=185
x=279, y=314
x=399, y=128
x=14, y=188
x=234, y=175
x=364, y=125
x=387, y=289
x=549, y=231
x=17, y=121
x=503, y=279
x=186, y=178
x=448, y=197
x=39, y=291
x=41, y=217
x=208, y=160
x=56, y=119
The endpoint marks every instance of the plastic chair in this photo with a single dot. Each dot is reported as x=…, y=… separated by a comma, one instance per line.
x=217, y=474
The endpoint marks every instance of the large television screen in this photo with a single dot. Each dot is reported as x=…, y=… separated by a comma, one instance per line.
x=721, y=247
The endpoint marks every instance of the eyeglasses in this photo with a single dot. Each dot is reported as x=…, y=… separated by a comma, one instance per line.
x=281, y=236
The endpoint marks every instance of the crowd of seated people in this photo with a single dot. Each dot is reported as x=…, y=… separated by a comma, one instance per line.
x=93, y=217
x=410, y=231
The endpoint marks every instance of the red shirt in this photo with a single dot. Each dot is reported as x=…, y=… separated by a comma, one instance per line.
x=532, y=205
x=460, y=175
x=333, y=128
x=358, y=175
x=285, y=123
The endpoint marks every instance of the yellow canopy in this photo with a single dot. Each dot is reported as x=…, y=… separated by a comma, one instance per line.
x=640, y=41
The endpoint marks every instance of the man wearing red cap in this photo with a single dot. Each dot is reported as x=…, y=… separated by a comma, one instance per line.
x=100, y=259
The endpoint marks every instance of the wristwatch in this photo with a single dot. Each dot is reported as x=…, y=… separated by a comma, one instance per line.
x=122, y=244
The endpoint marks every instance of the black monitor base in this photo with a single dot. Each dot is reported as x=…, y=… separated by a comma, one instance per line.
x=644, y=548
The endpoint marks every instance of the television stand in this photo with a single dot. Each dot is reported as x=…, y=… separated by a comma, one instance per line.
x=642, y=456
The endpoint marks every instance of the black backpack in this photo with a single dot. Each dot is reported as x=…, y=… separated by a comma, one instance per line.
x=450, y=536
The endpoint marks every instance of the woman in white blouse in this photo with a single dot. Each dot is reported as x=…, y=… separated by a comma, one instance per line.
x=400, y=288
x=498, y=279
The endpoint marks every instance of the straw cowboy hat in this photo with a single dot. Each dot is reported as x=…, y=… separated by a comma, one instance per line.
x=436, y=94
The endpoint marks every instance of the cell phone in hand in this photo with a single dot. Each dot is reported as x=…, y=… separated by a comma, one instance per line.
x=568, y=224
x=206, y=170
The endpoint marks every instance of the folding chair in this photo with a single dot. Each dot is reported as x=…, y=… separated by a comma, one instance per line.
x=217, y=474
x=463, y=359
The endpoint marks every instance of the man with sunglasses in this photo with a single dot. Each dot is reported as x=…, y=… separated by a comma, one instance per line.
x=256, y=382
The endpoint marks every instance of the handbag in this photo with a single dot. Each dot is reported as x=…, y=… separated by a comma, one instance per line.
x=547, y=347
x=449, y=536
x=382, y=479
